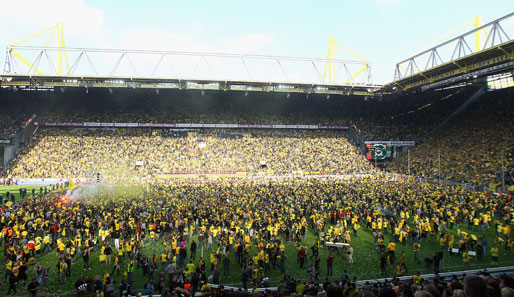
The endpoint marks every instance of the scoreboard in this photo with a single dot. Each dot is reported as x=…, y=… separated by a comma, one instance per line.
x=378, y=151
x=386, y=149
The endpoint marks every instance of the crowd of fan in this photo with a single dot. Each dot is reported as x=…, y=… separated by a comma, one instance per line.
x=473, y=147
x=471, y=285
x=408, y=117
x=12, y=122
x=385, y=121
x=252, y=223
x=154, y=115
x=13, y=116
x=183, y=107
x=85, y=152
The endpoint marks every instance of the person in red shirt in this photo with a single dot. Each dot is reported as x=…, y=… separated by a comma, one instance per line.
x=54, y=233
x=301, y=255
x=330, y=262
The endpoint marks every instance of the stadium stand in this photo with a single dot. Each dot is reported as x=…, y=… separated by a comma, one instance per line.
x=132, y=206
x=159, y=186
x=470, y=145
x=13, y=118
x=84, y=152
x=483, y=131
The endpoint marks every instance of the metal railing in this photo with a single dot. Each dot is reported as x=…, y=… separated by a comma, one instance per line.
x=490, y=35
x=153, y=64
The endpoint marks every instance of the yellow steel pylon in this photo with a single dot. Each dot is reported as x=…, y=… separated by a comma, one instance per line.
x=57, y=28
x=476, y=22
x=330, y=67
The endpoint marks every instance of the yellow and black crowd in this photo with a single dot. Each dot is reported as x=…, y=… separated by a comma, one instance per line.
x=473, y=147
x=85, y=152
x=206, y=226
x=248, y=222
x=12, y=122
x=13, y=115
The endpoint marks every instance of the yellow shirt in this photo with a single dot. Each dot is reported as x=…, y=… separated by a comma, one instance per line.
x=465, y=257
x=494, y=251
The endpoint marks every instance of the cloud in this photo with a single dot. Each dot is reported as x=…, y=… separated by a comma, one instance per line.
x=84, y=25
x=250, y=43
x=197, y=26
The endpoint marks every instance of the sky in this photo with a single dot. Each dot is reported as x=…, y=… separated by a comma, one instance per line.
x=382, y=31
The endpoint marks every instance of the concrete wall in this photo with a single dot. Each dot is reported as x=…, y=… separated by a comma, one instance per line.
x=357, y=139
x=9, y=153
x=17, y=143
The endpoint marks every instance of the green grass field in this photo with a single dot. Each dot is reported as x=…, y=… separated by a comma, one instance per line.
x=12, y=189
x=16, y=190
x=365, y=265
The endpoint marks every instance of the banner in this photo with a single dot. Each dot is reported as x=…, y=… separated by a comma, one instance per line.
x=391, y=143
x=333, y=127
x=187, y=125
x=125, y=124
x=59, y=124
x=154, y=125
x=5, y=141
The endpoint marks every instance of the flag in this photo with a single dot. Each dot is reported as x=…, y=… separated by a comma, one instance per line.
x=72, y=186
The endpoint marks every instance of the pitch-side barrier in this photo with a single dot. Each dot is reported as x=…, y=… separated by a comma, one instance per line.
x=495, y=271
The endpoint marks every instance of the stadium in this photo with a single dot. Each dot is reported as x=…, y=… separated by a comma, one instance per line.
x=256, y=174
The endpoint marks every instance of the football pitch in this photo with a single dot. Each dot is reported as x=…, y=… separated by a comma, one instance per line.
x=16, y=190
x=365, y=266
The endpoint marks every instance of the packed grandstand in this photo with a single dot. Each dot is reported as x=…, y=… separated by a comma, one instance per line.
x=180, y=192
x=469, y=148
x=204, y=209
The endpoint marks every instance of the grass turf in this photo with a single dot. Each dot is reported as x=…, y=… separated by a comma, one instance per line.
x=16, y=190
x=365, y=257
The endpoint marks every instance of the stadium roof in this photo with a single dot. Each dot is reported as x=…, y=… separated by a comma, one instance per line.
x=40, y=68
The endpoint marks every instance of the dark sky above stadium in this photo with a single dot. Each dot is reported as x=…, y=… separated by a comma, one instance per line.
x=382, y=31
